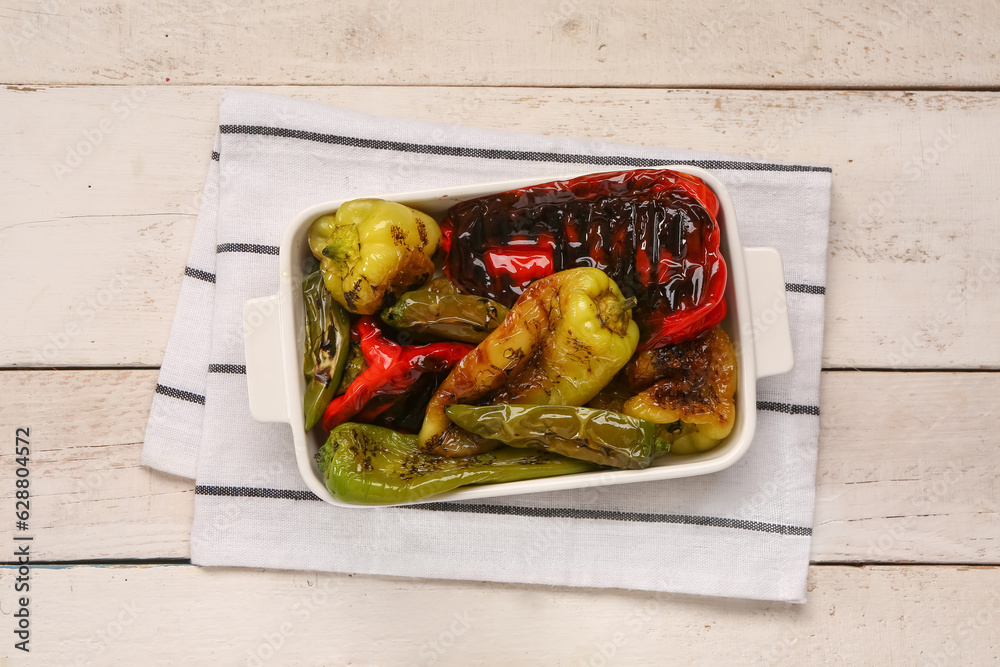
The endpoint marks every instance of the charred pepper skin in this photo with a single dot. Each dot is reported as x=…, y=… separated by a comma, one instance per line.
x=371, y=251
x=405, y=412
x=563, y=340
x=599, y=436
x=689, y=388
x=654, y=231
x=327, y=346
x=363, y=464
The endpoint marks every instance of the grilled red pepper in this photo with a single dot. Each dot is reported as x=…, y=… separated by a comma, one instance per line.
x=653, y=231
x=392, y=369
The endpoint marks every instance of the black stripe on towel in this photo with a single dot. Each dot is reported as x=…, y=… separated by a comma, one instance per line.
x=235, y=369
x=556, y=512
x=199, y=274
x=611, y=515
x=215, y=155
x=788, y=408
x=180, y=395
x=805, y=289
x=247, y=492
x=247, y=247
x=498, y=154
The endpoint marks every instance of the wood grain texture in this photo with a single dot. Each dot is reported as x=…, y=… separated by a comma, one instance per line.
x=908, y=464
x=90, y=497
x=101, y=185
x=913, y=264
x=897, y=481
x=913, y=43
x=187, y=615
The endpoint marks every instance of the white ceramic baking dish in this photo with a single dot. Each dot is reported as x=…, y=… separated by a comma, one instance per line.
x=756, y=322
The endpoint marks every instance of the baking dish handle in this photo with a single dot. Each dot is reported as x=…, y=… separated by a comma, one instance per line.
x=265, y=373
x=768, y=326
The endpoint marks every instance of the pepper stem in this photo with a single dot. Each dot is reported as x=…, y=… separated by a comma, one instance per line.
x=334, y=251
x=615, y=313
x=341, y=243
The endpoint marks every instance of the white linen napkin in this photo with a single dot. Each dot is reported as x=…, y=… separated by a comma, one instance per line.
x=742, y=532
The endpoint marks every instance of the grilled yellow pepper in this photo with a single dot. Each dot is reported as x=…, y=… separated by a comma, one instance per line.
x=372, y=250
x=564, y=339
x=688, y=388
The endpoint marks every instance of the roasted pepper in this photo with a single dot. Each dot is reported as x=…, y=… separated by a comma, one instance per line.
x=600, y=436
x=326, y=346
x=392, y=369
x=562, y=341
x=613, y=396
x=371, y=251
x=354, y=367
x=654, y=231
x=439, y=285
x=406, y=411
x=688, y=387
x=425, y=314
x=370, y=465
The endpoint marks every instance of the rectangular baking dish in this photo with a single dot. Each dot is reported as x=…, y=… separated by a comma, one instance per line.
x=757, y=323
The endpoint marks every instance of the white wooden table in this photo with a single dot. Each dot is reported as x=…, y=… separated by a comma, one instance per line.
x=108, y=111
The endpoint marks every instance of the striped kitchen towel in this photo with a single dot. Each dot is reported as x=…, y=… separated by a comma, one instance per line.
x=742, y=532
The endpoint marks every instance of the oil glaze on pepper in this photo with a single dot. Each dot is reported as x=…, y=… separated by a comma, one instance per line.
x=363, y=464
x=564, y=339
x=392, y=369
x=327, y=346
x=599, y=436
x=689, y=388
x=653, y=231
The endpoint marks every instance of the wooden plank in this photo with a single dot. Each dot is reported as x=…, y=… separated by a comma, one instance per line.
x=907, y=467
x=897, y=481
x=90, y=497
x=523, y=42
x=913, y=256
x=870, y=616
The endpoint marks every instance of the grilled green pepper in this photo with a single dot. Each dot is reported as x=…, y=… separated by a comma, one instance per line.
x=326, y=346
x=602, y=437
x=370, y=465
x=354, y=367
x=462, y=317
x=439, y=285
x=565, y=338
x=372, y=250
